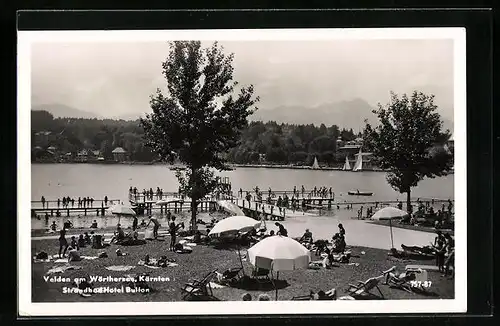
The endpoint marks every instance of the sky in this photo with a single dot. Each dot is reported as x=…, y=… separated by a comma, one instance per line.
x=114, y=79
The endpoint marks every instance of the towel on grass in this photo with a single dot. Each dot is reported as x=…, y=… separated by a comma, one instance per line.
x=214, y=285
x=119, y=268
x=36, y=260
x=61, y=260
x=89, y=257
x=152, y=263
x=62, y=269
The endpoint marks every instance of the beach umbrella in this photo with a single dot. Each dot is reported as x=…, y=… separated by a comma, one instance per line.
x=230, y=207
x=122, y=210
x=389, y=213
x=234, y=225
x=279, y=253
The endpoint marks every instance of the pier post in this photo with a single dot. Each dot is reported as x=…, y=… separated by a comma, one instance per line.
x=85, y=211
x=161, y=209
x=67, y=212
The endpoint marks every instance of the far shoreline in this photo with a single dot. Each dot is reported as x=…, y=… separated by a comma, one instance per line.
x=232, y=165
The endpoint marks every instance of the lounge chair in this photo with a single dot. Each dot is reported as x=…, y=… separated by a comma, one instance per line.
x=362, y=289
x=261, y=274
x=198, y=288
x=414, y=280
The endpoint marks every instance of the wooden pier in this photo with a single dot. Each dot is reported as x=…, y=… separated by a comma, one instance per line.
x=67, y=210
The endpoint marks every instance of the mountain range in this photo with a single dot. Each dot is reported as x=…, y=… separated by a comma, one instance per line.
x=345, y=114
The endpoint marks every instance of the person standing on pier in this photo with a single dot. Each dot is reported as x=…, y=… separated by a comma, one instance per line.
x=59, y=202
x=295, y=190
x=105, y=200
x=303, y=190
x=91, y=202
x=43, y=201
x=330, y=191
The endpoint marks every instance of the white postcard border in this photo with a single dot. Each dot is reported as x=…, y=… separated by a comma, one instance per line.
x=28, y=308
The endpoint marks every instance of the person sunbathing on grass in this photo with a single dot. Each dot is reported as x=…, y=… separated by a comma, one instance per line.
x=391, y=275
x=73, y=254
x=338, y=243
x=307, y=237
x=118, y=235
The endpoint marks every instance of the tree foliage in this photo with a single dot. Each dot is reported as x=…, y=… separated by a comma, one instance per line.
x=199, y=117
x=297, y=141
x=407, y=139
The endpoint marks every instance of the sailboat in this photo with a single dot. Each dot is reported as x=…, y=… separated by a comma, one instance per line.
x=359, y=163
x=315, y=165
x=347, y=165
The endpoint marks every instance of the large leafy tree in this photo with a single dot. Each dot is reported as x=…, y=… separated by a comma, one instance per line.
x=199, y=117
x=407, y=141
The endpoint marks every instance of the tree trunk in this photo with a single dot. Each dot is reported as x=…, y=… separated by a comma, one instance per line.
x=194, y=201
x=408, y=202
x=194, y=204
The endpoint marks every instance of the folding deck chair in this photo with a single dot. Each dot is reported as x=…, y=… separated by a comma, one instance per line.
x=261, y=275
x=230, y=275
x=414, y=281
x=198, y=288
x=362, y=289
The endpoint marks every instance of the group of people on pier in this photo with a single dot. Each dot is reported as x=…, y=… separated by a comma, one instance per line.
x=321, y=192
x=146, y=194
x=66, y=202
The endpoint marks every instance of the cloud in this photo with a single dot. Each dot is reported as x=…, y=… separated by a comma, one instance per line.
x=118, y=78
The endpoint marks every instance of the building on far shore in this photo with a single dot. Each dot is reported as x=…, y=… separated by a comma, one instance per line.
x=119, y=154
x=82, y=156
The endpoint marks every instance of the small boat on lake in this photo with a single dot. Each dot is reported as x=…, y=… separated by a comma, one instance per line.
x=177, y=168
x=360, y=193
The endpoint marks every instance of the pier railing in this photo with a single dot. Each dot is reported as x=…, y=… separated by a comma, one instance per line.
x=54, y=204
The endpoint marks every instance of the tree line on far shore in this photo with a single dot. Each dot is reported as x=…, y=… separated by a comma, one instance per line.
x=275, y=142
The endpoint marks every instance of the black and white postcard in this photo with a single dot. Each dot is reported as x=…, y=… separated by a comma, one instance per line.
x=189, y=171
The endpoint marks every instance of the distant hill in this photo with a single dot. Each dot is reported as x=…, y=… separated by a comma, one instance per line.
x=128, y=117
x=345, y=114
x=64, y=111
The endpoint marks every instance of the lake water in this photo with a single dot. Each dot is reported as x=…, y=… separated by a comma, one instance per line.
x=95, y=180
x=57, y=180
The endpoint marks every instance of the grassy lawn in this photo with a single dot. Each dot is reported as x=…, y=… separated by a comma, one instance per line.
x=207, y=258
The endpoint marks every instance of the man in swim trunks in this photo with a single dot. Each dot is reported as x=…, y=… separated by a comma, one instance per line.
x=156, y=225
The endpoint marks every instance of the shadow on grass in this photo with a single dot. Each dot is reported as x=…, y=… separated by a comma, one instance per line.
x=368, y=296
x=230, y=245
x=202, y=298
x=252, y=284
